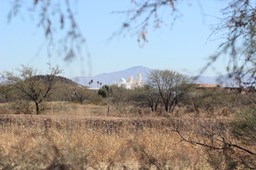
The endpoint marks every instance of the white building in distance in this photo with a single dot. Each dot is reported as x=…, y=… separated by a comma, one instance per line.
x=130, y=83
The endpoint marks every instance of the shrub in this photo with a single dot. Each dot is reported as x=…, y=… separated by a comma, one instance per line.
x=244, y=127
x=22, y=107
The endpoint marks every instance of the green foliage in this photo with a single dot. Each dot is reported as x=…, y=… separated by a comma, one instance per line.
x=7, y=93
x=80, y=95
x=171, y=87
x=94, y=98
x=105, y=91
x=208, y=100
x=244, y=127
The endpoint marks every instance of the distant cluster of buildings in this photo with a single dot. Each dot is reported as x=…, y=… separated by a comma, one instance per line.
x=230, y=89
x=206, y=85
x=132, y=83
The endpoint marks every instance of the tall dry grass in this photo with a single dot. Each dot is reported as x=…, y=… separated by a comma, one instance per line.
x=74, y=136
x=45, y=146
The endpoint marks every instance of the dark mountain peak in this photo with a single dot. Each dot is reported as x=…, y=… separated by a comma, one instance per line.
x=59, y=79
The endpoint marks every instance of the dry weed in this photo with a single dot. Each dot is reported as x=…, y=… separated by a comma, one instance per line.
x=80, y=148
x=75, y=136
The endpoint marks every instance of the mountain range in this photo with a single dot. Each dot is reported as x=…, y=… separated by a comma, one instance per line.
x=115, y=77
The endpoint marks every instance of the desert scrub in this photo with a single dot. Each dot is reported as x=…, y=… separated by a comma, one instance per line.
x=74, y=148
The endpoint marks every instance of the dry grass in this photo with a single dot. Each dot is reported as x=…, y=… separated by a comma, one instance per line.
x=27, y=146
x=74, y=136
x=69, y=108
x=88, y=110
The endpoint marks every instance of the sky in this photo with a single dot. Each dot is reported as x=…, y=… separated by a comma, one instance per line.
x=183, y=47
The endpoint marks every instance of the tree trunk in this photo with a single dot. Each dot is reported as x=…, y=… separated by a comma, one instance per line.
x=151, y=105
x=152, y=108
x=37, y=108
x=166, y=106
x=156, y=105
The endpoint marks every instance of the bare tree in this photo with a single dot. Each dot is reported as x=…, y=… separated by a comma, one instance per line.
x=237, y=27
x=145, y=14
x=119, y=98
x=171, y=86
x=31, y=86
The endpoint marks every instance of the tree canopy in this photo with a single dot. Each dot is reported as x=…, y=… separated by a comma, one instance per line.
x=32, y=86
x=171, y=86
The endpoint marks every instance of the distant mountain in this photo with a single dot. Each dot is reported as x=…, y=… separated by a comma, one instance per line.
x=114, y=77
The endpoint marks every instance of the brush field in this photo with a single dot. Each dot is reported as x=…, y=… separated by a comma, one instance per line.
x=73, y=136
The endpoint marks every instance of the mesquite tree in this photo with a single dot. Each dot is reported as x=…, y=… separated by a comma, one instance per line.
x=33, y=87
x=171, y=86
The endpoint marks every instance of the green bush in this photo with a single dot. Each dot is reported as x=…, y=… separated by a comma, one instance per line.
x=244, y=127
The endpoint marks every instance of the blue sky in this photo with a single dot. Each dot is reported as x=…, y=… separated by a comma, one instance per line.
x=183, y=48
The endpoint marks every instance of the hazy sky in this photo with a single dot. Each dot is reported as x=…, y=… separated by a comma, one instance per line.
x=183, y=48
